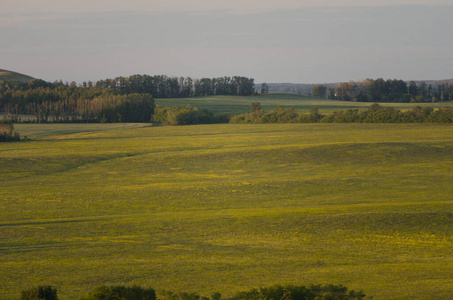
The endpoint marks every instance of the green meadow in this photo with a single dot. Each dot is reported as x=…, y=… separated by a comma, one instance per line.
x=228, y=207
x=303, y=103
x=10, y=75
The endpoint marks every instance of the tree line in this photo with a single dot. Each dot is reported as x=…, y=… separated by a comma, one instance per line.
x=391, y=90
x=161, y=86
x=20, y=98
x=107, y=108
x=375, y=113
x=275, y=292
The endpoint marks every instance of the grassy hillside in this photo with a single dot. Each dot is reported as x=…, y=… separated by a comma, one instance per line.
x=228, y=207
x=10, y=75
x=238, y=104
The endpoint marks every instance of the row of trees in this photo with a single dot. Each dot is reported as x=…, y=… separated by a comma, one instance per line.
x=275, y=292
x=105, y=108
x=15, y=96
x=373, y=114
x=161, y=86
x=391, y=90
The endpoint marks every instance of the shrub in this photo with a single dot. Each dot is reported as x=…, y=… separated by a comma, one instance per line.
x=185, y=115
x=7, y=133
x=169, y=295
x=45, y=292
x=292, y=292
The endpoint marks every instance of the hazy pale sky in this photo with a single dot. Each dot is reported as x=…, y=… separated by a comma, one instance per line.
x=273, y=41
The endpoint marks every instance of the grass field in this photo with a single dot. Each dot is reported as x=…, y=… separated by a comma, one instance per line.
x=241, y=104
x=228, y=207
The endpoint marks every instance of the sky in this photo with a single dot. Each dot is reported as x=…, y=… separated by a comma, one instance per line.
x=312, y=41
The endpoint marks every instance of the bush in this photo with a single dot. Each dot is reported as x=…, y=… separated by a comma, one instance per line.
x=7, y=133
x=169, y=295
x=45, y=292
x=128, y=108
x=121, y=292
x=222, y=118
x=186, y=115
x=292, y=292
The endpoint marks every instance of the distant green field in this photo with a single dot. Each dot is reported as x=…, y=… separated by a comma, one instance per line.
x=241, y=104
x=228, y=207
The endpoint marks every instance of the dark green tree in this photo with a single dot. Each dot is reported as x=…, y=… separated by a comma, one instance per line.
x=331, y=93
x=7, y=133
x=423, y=90
x=377, y=89
x=264, y=88
x=319, y=91
x=44, y=292
x=412, y=89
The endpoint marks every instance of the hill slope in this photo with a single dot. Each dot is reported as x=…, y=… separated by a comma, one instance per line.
x=10, y=75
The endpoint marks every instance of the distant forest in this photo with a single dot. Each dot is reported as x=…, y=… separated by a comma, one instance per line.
x=109, y=100
x=374, y=90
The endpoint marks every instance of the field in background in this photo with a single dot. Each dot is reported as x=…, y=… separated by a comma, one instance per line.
x=228, y=207
x=241, y=104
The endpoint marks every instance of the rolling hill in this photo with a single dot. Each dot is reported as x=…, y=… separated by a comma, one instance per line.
x=228, y=207
x=10, y=75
